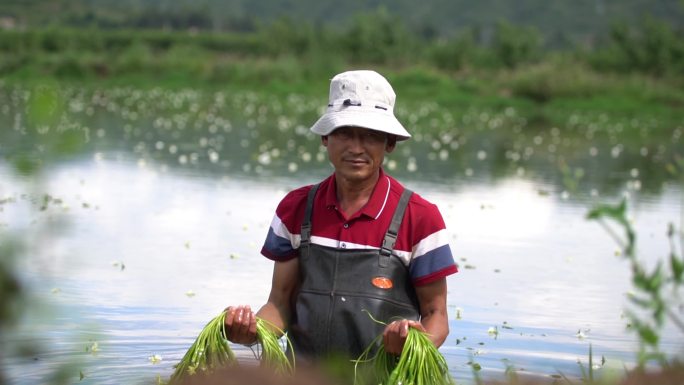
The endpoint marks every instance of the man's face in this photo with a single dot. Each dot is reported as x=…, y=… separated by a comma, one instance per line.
x=357, y=153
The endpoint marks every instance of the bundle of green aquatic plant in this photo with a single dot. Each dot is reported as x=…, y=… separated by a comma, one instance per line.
x=420, y=363
x=272, y=355
x=211, y=350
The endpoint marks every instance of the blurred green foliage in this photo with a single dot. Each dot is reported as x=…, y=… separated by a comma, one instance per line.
x=562, y=23
x=378, y=38
x=657, y=290
x=286, y=55
x=10, y=289
x=652, y=47
x=514, y=45
x=45, y=135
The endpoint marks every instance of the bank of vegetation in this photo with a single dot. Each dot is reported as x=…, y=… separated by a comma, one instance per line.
x=637, y=68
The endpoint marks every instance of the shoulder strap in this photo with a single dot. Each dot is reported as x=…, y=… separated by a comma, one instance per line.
x=391, y=235
x=306, y=222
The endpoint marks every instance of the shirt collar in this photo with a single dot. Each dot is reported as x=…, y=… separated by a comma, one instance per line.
x=375, y=205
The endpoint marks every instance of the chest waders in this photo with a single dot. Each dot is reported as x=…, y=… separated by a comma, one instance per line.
x=337, y=285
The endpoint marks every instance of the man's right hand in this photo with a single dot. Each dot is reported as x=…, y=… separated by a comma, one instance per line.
x=240, y=325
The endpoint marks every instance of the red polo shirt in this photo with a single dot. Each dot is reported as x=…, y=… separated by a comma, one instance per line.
x=422, y=241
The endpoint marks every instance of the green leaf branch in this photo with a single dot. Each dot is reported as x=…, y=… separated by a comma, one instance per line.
x=657, y=291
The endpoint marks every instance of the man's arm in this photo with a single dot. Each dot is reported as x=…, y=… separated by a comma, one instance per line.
x=434, y=319
x=285, y=281
x=241, y=321
x=433, y=310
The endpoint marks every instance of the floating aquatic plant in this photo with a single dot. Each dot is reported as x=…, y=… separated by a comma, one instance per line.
x=155, y=358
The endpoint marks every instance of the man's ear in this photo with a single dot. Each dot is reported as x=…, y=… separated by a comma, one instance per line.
x=391, y=143
x=324, y=140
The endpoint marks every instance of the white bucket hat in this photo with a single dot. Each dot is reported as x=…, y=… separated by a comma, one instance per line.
x=361, y=99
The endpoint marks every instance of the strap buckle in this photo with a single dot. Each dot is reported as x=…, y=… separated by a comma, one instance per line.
x=305, y=236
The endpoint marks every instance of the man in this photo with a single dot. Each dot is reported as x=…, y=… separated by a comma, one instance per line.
x=357, y=245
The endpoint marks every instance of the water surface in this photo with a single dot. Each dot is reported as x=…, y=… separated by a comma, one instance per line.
x=136, y=237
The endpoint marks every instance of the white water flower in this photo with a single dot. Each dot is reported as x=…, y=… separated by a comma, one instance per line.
x=292, y=167
x=155, y=358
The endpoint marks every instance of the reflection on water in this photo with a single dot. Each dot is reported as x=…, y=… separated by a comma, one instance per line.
x=156, y=222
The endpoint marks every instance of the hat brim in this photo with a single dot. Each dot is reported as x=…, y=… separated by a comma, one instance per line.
x=379, y=121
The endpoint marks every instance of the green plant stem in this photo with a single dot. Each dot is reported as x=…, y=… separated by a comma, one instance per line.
x=272, y=354
x=210, y=351
x=675, y=319
x=612, y=234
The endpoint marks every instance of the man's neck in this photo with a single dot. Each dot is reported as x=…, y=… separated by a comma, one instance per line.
x=353, y=195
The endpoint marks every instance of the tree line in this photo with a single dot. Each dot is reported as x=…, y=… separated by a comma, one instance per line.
x=653, y=47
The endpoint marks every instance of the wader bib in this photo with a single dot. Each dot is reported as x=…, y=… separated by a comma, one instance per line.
x=340, y=288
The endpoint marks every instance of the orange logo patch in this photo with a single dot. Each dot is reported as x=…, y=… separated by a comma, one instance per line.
x=382, y=282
